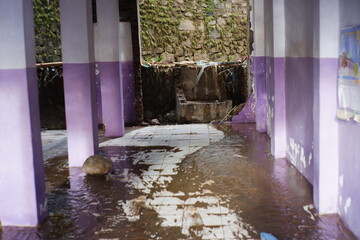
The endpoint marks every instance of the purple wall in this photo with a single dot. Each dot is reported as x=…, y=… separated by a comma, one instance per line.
x=299, y=113
x=247, y=114
x=258, y=64
x=22, y=184
x=98, y=94
x=299, y=84
x=349, y=142
x=127, y=76
x=270, y=85
x=81, y=116
x=111, y=98
x=277, y=101
x=325, y=150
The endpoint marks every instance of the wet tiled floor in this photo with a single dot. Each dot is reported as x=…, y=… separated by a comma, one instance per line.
x=194, y=181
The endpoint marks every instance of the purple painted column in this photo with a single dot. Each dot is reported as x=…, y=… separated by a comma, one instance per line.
x=79, y=79
x=22, y=185
x=278, y=141
x=326, y=154
x=258, y=64
x=260, y=91
x=107, y=58
x=127, y=71
x=277, y=98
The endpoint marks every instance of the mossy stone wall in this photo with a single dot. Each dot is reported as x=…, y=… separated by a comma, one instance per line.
x=178, y=30
x=47, y=30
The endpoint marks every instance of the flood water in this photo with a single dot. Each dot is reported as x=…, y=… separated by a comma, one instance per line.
x=182, y=182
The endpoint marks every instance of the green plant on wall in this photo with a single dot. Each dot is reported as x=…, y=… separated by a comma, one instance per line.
x=47, y=30
x=218, y=25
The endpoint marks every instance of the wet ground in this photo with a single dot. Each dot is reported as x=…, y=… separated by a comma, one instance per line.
x=181, y=182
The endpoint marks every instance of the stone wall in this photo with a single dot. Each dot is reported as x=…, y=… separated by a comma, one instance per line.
x=178, y=30
x=218, y=83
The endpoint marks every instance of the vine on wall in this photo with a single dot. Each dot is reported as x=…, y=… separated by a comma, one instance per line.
x=47, y=30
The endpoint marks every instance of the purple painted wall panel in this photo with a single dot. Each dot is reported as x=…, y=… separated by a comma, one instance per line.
x=21, y=145
x=270, y=84
x=278, y=146
x=111, y=98
x=316, y=150
x=127, y=78
x=247, y=114
x=36, y=142
x=98, y=94
x=325, y=134
x=349, y=172
x=81, y=116
x=260, y=89
x=349, y=142
x=299, y=113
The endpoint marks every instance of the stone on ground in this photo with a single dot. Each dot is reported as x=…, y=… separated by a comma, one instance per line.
x=97, y=165
x=154, y=122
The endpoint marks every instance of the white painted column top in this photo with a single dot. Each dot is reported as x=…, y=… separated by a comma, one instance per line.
x=329, y=29
x=17, y=40
x=107, y=31
x=279, y=28
x=125, y=40
x=77, y=31
x=258, y=28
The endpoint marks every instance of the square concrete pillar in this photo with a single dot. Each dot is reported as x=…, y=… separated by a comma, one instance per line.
x=277, y=98
x=258, y=64
x=77, y=36
x=22, y=185
x=127, y=71
x=108, y=68
x=326, y=137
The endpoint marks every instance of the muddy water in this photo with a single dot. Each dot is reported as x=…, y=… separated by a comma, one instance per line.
x=237, y=176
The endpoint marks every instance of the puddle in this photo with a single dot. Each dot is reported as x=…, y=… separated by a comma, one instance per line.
x=182, y=182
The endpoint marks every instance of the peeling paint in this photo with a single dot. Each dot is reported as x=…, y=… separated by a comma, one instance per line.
x=347, y=205
x=297, y=154
x=341, y=180
x=269, y=117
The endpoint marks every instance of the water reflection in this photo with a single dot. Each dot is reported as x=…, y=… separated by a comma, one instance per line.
x=183, y=189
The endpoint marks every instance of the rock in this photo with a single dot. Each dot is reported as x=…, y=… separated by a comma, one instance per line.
x=167, y=57
x=97, y=165
x=188, y=14
x=201, y=26
x=159, y=50
x=198, y=56
x=197, y=46
x=215, y=34
x=187, y=25
x=154, y=122
x=212, y=23
x=221, y=21
x=144, y=124
x=187, y=43
x=169, y=49
x=179, y=51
